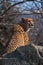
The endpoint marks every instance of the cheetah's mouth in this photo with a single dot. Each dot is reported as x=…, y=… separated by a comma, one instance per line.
x=32, y=26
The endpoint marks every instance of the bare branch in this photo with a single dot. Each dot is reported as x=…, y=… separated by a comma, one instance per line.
x=12, y=6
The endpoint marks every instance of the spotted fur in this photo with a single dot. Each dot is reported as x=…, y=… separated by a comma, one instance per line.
x=20, y=37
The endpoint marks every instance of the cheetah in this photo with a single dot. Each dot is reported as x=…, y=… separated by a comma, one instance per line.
x=20, y=36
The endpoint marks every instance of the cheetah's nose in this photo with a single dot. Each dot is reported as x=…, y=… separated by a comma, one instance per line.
x=32, y=25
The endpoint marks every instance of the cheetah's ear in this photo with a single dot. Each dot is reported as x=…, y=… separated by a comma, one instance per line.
x=23, y=19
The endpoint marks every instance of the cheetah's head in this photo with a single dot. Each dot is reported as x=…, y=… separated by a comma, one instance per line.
x=27, y=23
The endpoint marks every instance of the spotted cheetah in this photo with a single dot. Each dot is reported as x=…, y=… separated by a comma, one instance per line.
x=20, y=37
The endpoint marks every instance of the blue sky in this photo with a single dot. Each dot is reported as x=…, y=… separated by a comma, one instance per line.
x=26, y=5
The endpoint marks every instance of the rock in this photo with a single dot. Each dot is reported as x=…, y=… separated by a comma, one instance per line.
x=25, y=55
